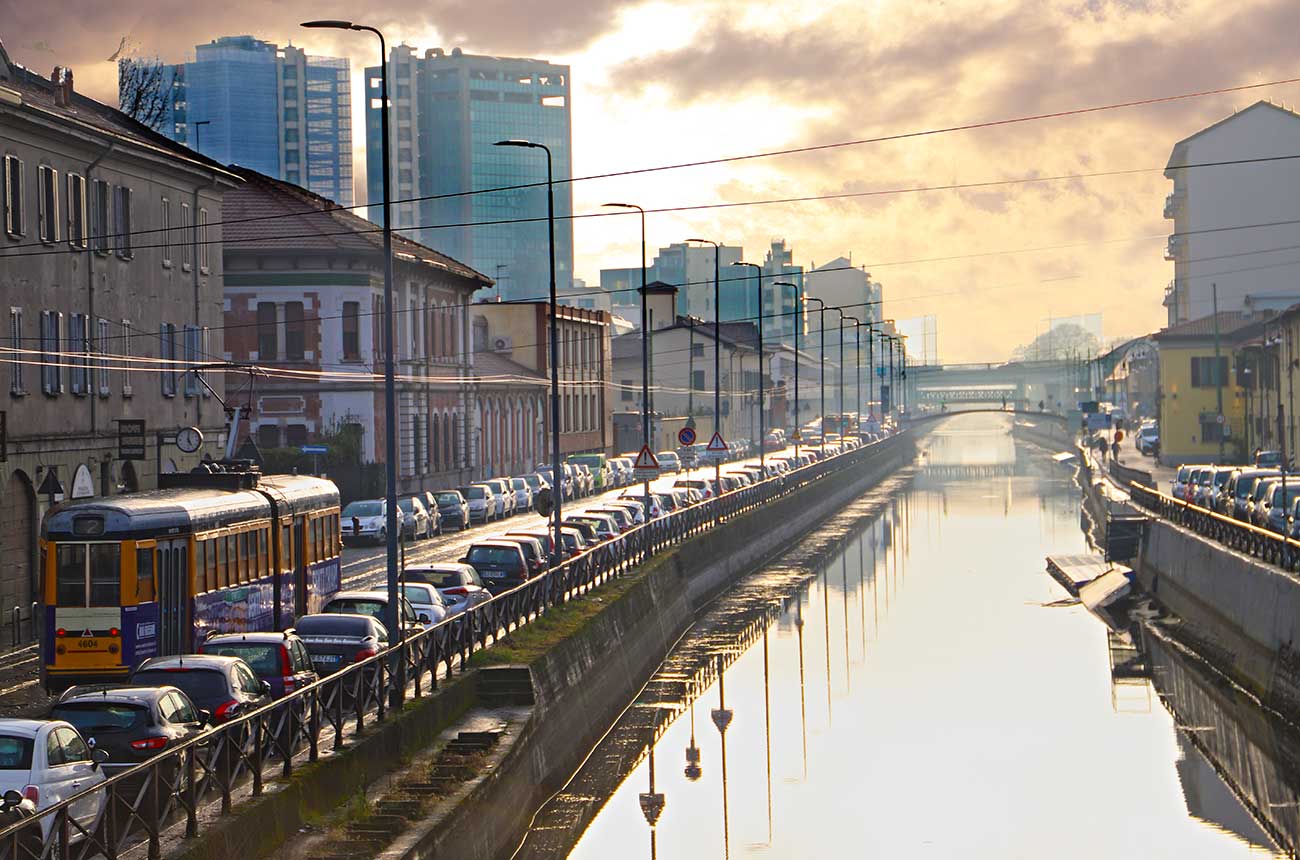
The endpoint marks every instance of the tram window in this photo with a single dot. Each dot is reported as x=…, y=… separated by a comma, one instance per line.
x=105, y=574
x=263, y=552
x=200, y=565
x=70, y=578
x=220, y=579
x=144, y=575
x=243, y=557
x=286, y=548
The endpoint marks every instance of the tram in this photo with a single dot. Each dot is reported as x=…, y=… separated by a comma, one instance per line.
x=148, y=574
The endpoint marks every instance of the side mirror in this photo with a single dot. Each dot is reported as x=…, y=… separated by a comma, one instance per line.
x=98, y=757
x=205, y=717
x=464, y=561
x=12, y=798
x=265, y=688
x=423, y=618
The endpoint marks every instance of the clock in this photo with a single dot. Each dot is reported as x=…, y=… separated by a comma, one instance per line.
x=188, y=439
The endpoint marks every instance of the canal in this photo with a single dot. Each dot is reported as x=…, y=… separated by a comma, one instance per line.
x=911, y=684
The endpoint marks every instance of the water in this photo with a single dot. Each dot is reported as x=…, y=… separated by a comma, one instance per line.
x=918, y=694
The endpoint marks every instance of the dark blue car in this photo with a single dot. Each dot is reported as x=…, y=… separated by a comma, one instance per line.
x=278, y=658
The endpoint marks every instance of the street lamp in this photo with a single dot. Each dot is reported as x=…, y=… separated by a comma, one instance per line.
x=391, y=614
x=645, y=351
x=798, y=324
x=717, y=357
x=839, y=425
x=557, y=490
x=198, y=133
x=857, y=363
x=762, y=425
x=821, y=337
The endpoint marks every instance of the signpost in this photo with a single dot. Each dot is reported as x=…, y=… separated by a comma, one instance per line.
x=717, y=448
x=686, y=436
x=646, y=467
x=315, y=451
x=130, y=439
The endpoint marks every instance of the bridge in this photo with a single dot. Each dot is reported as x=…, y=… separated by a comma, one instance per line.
x=1017, y=383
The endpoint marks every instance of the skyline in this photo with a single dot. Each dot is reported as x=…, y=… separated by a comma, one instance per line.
x=741, y=85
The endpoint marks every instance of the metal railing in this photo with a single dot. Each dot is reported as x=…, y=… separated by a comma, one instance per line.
x=134, y=808
x=1265, y=545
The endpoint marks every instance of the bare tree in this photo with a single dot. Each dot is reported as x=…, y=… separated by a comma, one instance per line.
x=143, y=90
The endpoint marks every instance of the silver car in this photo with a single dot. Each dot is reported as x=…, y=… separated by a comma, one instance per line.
x=482, y=502
x=523, y=494
x=505, y=497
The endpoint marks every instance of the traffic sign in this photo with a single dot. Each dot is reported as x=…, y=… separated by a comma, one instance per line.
x=315, y=449
x=880, y=371
x=686, y=436
x=716, y=443
x=646, y=466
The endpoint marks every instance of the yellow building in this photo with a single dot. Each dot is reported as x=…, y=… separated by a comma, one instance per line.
x=1191, y=429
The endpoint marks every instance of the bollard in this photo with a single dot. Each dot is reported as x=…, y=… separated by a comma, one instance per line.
x=35, y=614
x=17, y=625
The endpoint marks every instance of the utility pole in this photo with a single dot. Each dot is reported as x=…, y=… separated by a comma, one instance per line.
x=1219, y=417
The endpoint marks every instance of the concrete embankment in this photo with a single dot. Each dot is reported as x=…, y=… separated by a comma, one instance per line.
x=583, y=684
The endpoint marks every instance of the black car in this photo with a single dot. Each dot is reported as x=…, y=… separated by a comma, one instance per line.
x=454, y=509
x=337, y=640
x=131, y=724
x=501, y=564
x=225, y=687
x=279, y=658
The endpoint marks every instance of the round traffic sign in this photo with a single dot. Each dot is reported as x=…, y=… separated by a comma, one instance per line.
x=686, y=436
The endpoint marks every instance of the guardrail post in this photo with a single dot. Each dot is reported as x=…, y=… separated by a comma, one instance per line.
x=259, y=737
x=190, y=795
x=17, y=623
x=154, y=823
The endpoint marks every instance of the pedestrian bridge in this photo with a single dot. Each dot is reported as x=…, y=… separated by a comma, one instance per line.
x=1021, y=384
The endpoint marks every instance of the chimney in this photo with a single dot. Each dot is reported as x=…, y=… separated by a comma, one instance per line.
x=61, y=77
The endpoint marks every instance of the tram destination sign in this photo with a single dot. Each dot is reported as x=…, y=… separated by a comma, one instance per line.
x=130, y=439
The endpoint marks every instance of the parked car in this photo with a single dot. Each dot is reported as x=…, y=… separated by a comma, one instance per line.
x=1257, y=506
x=26, y=842
x=1268, y=460
x=453, y=509
x=536, y=482
x=565, y=483
x=372, y=603
x=632, y=506
x=482, y=502
x=430, y=500
x=586, y=528
x=606, y=527
x=534, y=553
x=1240, y=488
x=582, y=474
x=622, y=468
x=336, y=640
x=1217, y=495
x=523, y=494
x=364, y=522
x=130, y=724
x=503, y=496
x=705, y=487
x=1280, y=506
x=426, y=600
x=1182, y=481
x=47, y=762
x=225, y=687
x=621, y=516
x=459, y=584
x=669, y=461
x=1147, y=438
x=500, y=564
x=415, y=519
x=277, y=657
x=598, y=465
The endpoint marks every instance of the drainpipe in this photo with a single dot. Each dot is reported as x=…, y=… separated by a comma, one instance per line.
x=195, y=271
x=92, y=376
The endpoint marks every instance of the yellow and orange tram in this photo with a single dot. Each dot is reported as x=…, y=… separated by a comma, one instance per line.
x=136, y=576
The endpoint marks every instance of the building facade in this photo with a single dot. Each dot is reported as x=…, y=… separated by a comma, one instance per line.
x=1242, y=263
x=110, y=279
x=311, y=309
x=448, y=111
x=274, y=110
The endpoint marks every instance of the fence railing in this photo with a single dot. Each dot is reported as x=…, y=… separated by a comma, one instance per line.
x=1260, y=543
x=132, y=809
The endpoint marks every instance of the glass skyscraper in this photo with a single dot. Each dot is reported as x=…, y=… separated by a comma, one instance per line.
x=448, y=111
x=275, y=110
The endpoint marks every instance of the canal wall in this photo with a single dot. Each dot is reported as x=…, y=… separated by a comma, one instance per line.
x=582, y=685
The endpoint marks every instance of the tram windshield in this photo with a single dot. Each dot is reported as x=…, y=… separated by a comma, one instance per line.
x=89, y=574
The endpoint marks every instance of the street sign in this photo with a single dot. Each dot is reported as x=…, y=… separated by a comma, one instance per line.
x=51, y=486
x=796, y=436
x=315, y=449
x=646, y=466
x=716, y=443
x=130, y=439
x=686, y=436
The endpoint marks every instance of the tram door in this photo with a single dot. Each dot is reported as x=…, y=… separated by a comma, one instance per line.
x=173, y=596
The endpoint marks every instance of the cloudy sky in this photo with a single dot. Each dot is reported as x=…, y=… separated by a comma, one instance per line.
x=667, y=82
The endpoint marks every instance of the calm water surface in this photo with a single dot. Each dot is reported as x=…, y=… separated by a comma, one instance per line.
x=919, y=696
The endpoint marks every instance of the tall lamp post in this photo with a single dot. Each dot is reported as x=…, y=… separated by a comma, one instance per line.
x=798, y=324
x=645, y=351
x=762, y=422
x=839, y=425
x=390, y=392
x=821, y=387
x=857, y=366
x=717, y=356
x=557, y=491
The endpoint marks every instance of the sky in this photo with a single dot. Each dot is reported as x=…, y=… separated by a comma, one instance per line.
x=657, y=83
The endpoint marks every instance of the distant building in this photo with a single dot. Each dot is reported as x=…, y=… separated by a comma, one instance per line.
x=274, y=110
x=1256, y=262
x=448, y=109
x=689, y=268
x=779, y=302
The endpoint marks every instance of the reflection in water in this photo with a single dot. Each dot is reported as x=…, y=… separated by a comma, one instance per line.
x=963, y=717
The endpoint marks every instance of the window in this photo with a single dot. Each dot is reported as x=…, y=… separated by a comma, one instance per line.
x=47, y=211
x=628, y=390
x=268, y=347
x=88, y=574
x=51, y=334
x=191, y=358
x=144, y=574
x=167, y=354
x=16, y=342
x=268, y=436
x=204, y=258
x=351, y=331
x=1211, y=429
x=294, y=331
x=15, y=190
x=697, y=380
x=125, y=349
x=697, y=350
x=77, y=211
x=165, y=216
x=205, y=350
x=1203, y=375
x=122, y=221
x=187, y=250
x=99, y=216
x=78, y=352
x=101, y=346
x=297, y=435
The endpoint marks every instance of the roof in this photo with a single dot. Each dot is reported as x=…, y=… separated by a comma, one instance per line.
x=490, y=364
x=41, y=95
x=1175, y=156
x=26, y=728
x=1230, y=323
x=268, y=214
x=187, y=661
x=101, y=693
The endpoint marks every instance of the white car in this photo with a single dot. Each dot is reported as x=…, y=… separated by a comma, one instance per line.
x=668, y=461
x=428, y=603
x=365, y=520
x=523, y=493
x=47, y=762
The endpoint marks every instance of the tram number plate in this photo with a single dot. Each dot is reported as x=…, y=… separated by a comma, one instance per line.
x=88, y=644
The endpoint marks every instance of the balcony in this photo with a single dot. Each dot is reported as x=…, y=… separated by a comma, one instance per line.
x=1174, y=204
x=1171, y=294
x=1177, y=248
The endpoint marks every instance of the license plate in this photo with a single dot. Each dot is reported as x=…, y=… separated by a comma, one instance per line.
x=328, y=659
x=493, y=574
x=88, y=644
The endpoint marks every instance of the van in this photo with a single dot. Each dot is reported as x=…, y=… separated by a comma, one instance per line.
x=599, y=466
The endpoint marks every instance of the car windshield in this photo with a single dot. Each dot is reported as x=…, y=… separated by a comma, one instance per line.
x=448, y=499
x=493, y=555
x=356, y=606
x=198, y=684
x=518, y=483
x=326, y=625
x=262, y=656
x=1221, y=478
x=445, y=580
x=474, y=493
x=15, y=753
x=1292, y=492
x=363, y=509
x=533, y=481
x=1184, y=473
x=92, y=717
x=406, y=505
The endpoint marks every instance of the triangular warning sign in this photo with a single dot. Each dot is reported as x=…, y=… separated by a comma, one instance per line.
x=716, y=443
x=646, y=459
